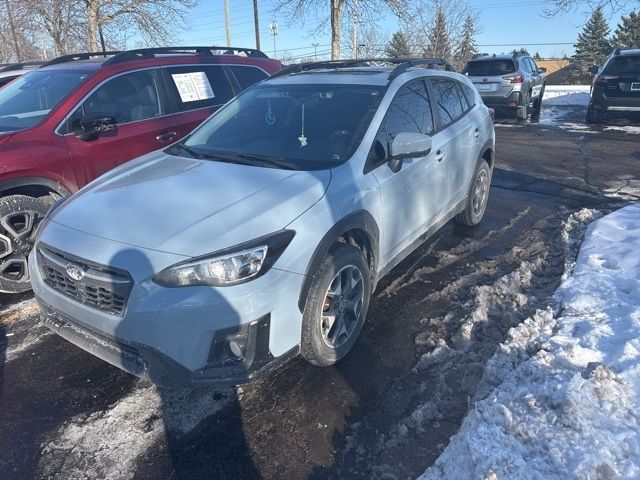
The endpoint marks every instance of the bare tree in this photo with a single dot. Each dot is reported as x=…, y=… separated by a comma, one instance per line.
x=154, y=20
x=371, y=42
x=560, y=6
x=364, y=10
x=64, y=22
x=424, y=15
x=16, y=32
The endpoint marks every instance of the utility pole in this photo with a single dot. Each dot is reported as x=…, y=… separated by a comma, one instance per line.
x=256, y=23
x=356, y=24
x=14, y=34
x=273, y=31
x=315, y=51
x=226, y=22
x=102, y=39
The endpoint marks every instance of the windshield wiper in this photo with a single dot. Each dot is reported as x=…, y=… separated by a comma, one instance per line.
x=251, y=160
x=184, y=148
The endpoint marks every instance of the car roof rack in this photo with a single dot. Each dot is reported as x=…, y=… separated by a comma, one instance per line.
x=74, y=57
x=204, y=51
x=19, y=66
x=402, y=64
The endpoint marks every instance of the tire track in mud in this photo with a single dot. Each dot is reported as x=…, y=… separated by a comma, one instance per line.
x=465, y=322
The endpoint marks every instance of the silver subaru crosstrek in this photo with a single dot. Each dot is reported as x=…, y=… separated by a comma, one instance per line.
x=508, y=81
x=263, y=233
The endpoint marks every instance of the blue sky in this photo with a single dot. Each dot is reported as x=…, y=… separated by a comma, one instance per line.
x=502, y=22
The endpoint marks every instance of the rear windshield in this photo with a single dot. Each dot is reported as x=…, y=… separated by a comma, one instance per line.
x=487, y=68
x=623, y=65
x=25, y=102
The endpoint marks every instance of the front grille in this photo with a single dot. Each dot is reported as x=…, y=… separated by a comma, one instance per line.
x=101, y=287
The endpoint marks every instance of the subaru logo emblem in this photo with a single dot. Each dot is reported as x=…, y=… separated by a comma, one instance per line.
x=485, y=79
x=75, y=272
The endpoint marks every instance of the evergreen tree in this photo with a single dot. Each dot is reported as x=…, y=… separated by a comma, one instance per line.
x=439, y=42
x=627, y=35
x=398, y=46
x=593, y=46
x=467, y=47
x=536, y=56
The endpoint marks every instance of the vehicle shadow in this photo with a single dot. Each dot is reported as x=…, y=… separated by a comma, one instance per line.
x=184, y=408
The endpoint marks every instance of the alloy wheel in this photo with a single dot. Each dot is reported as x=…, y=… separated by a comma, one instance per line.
x=480, y=192
x=342, y=306
x=17, y=232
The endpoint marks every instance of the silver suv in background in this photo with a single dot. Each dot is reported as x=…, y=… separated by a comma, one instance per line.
x=511, y=81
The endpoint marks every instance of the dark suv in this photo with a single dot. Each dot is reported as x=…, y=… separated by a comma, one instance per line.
x=616, y=86
x=512, y=81
x=76, y=117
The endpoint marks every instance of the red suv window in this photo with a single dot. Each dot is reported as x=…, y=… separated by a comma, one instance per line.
x=199, y=86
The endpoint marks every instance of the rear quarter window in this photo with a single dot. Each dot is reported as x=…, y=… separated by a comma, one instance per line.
x=198, y=86
x=448, y=100
x=488, y=68
x=248, y=75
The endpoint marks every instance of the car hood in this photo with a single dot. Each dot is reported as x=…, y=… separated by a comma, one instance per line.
x=188, y=206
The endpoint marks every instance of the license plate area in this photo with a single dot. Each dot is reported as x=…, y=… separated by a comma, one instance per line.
x=483, y=87
x=635, y=86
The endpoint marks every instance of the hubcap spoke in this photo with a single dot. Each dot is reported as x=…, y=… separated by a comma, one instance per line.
x=342, y=308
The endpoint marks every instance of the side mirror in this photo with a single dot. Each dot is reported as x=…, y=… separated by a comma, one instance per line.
x=408, y=145
x=595, y=69
x=94, y=124
x=542, y=70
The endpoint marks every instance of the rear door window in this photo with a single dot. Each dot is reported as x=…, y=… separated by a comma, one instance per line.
x=488, y=68
x=248, y=75
x=447, y=99
x=128, y=98
x=469, y=93
x=198, y=86
x=410, y=111
x=624, y=65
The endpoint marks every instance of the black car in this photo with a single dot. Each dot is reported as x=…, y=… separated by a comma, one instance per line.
x=616, y=86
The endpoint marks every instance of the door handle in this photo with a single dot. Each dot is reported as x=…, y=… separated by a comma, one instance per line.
x=163, y=137
x=440, y=155
x=476, y=133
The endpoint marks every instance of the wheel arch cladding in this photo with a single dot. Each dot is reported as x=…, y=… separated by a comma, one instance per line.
x=358, y=229
x=32, y=187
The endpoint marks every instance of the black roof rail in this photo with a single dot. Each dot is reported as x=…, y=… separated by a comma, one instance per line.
x=616, y=51
x=19, y=66
x=476, y=56
x=402, y=64
x=205, y=51
x=74, y=57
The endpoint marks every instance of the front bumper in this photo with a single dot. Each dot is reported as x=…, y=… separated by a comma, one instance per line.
x=148, y=363
x=172, y=336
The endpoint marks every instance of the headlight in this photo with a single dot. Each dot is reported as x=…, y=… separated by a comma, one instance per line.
x=230, y=266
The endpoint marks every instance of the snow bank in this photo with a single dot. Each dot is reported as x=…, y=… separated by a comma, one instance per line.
x=566, y=95
x=563, y=389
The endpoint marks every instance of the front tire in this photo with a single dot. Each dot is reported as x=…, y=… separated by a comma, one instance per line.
x=477, y=198
x=336, y=306
x=20, y=216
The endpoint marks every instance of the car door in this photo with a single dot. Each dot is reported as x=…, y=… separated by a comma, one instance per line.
x=453, y=144
x=409, y=197
x=196, y=91
x=137, y=102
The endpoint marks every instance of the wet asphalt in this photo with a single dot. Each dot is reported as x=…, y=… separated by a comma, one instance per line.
x=383, y=412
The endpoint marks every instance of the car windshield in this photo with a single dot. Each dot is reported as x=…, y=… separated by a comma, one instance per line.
x=624, y=65
x=298, y=127
x=487, y=68
x=26, y=101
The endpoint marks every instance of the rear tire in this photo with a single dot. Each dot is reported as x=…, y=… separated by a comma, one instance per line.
x=20, y=216
x=594, y=115
x=522, y=111
x=336, y=306
x=477, y=198
x=537, y=103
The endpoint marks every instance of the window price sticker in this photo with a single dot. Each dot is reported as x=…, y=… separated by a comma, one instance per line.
x=193, y=86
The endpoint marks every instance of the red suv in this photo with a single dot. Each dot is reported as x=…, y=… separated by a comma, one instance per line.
x=76, y=117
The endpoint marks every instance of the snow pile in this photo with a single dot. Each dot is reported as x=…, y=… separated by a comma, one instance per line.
x=566, y=95
x=562, y=396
